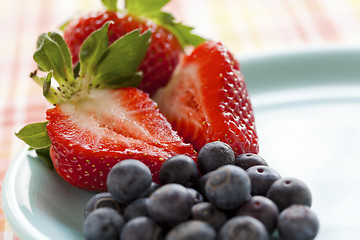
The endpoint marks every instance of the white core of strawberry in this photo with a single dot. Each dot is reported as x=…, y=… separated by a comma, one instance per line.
x=103, y=113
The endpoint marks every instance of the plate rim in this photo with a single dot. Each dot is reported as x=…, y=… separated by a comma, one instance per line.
x=319, y=50
x=7, y=193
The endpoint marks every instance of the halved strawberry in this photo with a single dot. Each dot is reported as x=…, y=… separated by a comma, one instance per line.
x=99, y=117
x=91, y=135
x=207, y=100
x=166, y=41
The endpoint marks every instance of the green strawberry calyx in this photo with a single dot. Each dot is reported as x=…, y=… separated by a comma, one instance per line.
x=100, y=66
x=151, y=9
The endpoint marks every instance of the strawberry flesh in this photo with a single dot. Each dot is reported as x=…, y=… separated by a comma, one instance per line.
x=91, y=135
x=161, y=57
x=207, y=100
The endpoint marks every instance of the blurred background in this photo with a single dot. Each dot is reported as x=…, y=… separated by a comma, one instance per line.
x=246, y=27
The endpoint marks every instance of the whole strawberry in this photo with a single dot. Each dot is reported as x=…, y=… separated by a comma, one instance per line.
x=167, y=40
x=207, y=100
x=99, y=117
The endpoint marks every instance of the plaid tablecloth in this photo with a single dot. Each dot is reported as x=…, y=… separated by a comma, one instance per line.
x=245, y=26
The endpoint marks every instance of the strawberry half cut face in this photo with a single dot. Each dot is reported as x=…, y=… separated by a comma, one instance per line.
x=91, y=135
x=207, y=100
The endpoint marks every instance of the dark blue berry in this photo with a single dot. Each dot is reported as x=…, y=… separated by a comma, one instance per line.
x=214, y=155
x=247, y=160
x=263, y=209
x=136, y=208
x=142, y=228
x=228, y=187
x=194, y=196
x=262, y=177
x=103, y=199
x=201, y=183
x=287, y=191
x=128, y=179
x=103, y=223
x=243, y=228
x=208, y=213
x=150, y=190
x=192, y=230
x=298, y=222
x=179, y=169
x=170, y=204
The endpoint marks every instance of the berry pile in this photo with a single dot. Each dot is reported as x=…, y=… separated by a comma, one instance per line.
x=229, y=197
x=123, y=88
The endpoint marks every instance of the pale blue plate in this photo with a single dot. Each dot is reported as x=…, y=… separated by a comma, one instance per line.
x=307, y=110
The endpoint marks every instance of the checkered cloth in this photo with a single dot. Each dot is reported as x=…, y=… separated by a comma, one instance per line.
x=244, y=26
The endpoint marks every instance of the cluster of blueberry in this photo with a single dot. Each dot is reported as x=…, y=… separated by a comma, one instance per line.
x=234, y=198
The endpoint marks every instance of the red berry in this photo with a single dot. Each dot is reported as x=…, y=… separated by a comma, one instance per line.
x=162, y=55
x=90, y=136
x=207, y=100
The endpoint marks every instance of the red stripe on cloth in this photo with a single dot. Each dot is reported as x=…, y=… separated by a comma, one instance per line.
x=9, y=105
x=298, y=26
x=322, y=22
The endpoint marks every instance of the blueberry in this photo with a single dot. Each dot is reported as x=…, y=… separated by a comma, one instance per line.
x=170, y=204
x=192, y=230
x=201, y=183
x=208, y=213
x=128, y=179
x=214, y=155
x=150, y=190
x=136, y=208
x=243, y=228
x=247, y=160
x=228, y=187
x=287, y=191
x=103, y=199
x=263, y=209
x=262, y=177
x=142, y=228
x=298, y=222
x=179, y=169
x=194, y=196
x=103, y=223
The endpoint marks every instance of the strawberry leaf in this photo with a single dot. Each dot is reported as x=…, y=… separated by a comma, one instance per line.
x=35, y=135
x=44, y=155
x=110, y=4
x=53, y=55
x=76, y=70
x=93, y=49
x=182, y=33
x=145, y=8
x=152, y=9
x=47, y=85
x=121, y=60
x=64, y=49
x=120, y=81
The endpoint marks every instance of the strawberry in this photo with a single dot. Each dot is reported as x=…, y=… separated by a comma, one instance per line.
x=90, y=136
x=207, y=100
x=164, y=50
x=99, y=117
